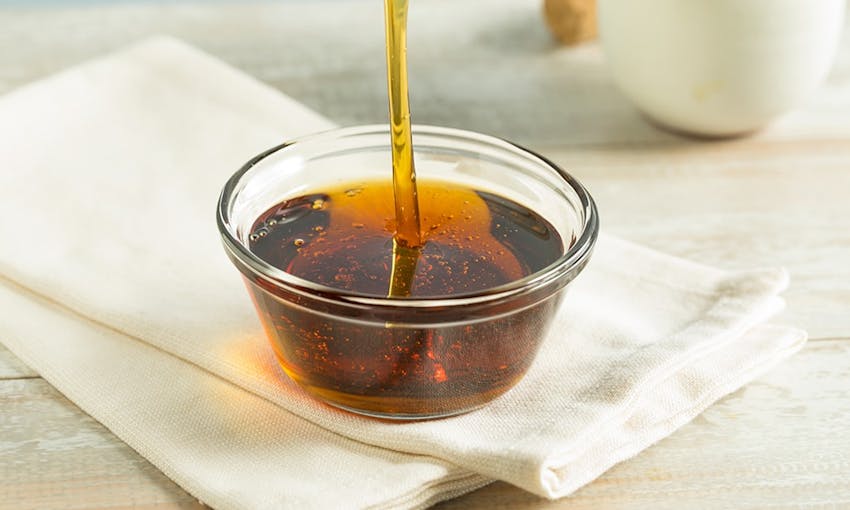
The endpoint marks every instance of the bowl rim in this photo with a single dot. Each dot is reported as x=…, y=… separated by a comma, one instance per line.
x=565, y=267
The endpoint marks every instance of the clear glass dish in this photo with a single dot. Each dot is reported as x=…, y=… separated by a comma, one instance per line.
x=482, y=342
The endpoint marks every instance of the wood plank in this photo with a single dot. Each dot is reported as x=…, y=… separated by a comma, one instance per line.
x=13, y=368
x=52, y=455
x=737, y=205
x=782, y=441
x=485, y=65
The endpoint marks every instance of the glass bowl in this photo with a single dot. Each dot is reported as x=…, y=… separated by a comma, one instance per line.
x=406, y=358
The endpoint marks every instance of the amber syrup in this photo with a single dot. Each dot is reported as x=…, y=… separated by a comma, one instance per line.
x=403, y=240
x=343, y=239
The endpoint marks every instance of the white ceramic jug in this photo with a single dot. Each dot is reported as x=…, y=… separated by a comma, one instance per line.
x=719, y=67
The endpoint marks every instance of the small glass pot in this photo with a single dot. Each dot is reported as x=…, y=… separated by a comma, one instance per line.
x=406, y=358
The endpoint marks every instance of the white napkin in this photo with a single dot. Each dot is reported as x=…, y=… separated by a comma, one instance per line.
x=116, y=290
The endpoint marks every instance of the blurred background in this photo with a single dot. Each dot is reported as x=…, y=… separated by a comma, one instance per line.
x=488, y=65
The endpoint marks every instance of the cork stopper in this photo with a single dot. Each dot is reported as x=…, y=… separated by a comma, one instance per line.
x=571, y=21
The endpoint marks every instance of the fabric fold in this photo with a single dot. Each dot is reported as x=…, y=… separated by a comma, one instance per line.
x=226, y=446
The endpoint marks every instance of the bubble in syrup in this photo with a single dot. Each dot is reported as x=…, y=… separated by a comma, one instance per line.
x=298, y=242
x=253, y=237
x=272, y=222
x=263, y=232
x=318, y=204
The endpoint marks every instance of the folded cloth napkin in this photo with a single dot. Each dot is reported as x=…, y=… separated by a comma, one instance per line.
x=115, y=289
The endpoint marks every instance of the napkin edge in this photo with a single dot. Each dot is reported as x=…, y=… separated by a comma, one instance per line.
x=552, y=486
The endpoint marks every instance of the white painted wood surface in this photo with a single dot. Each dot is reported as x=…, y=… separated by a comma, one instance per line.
x=781, y=197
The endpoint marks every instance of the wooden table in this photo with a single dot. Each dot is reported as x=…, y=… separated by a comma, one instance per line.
x=779, y=198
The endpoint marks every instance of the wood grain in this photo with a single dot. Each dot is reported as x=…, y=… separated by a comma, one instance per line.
x=486, y=65
x=776, y=443
x=737, y=205
x=13, y=368
x=778, y=198
x=52, y=455
x=781, y=441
